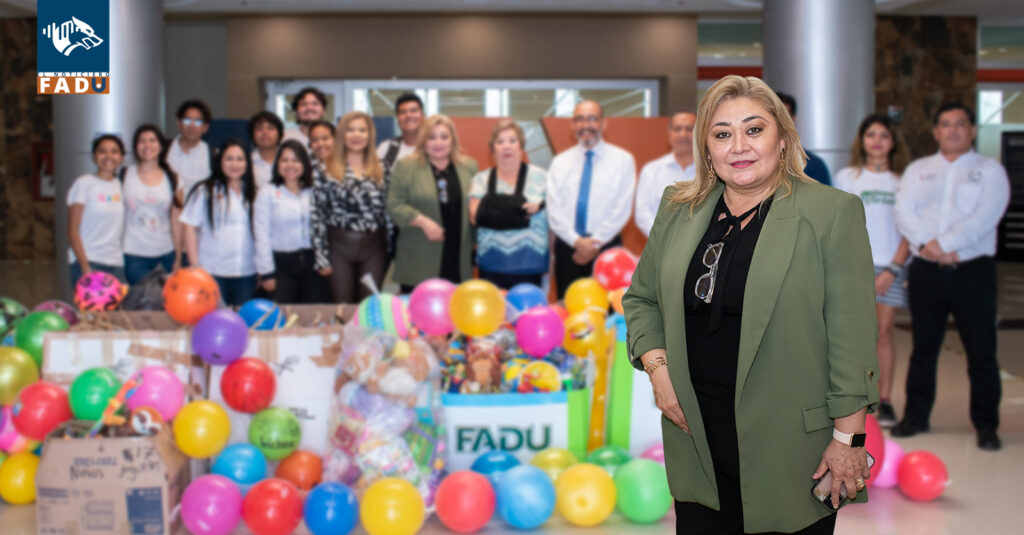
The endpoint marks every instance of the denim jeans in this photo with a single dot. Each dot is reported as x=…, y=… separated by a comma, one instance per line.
x=137, y=267
x=236, y=290
x=75, y=271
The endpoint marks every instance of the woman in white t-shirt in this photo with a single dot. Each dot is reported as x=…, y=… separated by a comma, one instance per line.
x=150, y=206
x=96, y=214
x=876, y=160
x=218, y=224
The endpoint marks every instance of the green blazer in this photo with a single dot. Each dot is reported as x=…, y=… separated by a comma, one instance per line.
x=806, y=352
x=413, y=191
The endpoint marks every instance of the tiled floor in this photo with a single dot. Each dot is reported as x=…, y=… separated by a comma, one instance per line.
x=983, y=494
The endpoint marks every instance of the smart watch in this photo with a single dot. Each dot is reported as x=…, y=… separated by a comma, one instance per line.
x=854, y=440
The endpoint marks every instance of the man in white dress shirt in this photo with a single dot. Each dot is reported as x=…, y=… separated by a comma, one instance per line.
x=589, y=196
x=409, y=113
x=188, y=155
x=310, y=106
x=676, y=166
x=265, y=132
x=948, y=207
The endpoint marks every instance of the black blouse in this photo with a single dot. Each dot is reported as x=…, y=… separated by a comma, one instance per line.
x=449, y=197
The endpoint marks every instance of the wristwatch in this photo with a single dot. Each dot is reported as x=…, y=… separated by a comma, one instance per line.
x=854, y=440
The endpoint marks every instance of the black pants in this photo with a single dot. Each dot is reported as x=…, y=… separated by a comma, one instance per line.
x=968, y=291
x=296, y=280
x=353, y=255
x=567, y=271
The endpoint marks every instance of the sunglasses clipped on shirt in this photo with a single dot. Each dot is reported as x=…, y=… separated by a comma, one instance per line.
x=442, y=190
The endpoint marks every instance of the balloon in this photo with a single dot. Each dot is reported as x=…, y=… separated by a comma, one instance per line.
x=160, y=389
x=613, y=268
x=922, y=476
x=585, y=495
x=642, y=489
x=241, y=463
x=477, y=308
x=262, y=314
x=539, y=376
x=655, y=453
x=18, y=479
x=65, y=310
x=615, y=298
x=584, y=294
x=211, y=505
x=248, y=385
x=494, y=463
x=525, y=296
x=465, y=501
x=303, y=468
x=99, y=290
x=526, y=497
x=275, y=432
x=560, y=310
x=272, y=507
x=554, y=461
x=383, y=312
x=91, y=391
x=886, y=478
x=874, y=443
x=201, y=429
x=585, y=334
x=29, y=334
x=331, y=509
x=17, y=370
x=609, y=457
x=220, y=337
x=429, y=305
x=189, y=294
x=392, y=506
x=39, y=408
x=11, y=441
x=539, y=330
x=11, y=313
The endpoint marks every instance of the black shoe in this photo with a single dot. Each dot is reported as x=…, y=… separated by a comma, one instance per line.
x=906, y=428
x=989, y=441
x=886, y=416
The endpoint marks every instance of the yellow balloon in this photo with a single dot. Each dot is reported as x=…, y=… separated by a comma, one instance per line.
x=392, y=506
x=584, y=294
x=18, y=479
x=585, y=333
x=17, y=370
x=201, y=429
x=477, y=308
x=585, y=495
x=554, y=461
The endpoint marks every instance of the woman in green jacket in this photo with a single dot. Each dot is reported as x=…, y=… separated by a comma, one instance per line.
x=761, y=350
x=427, y=200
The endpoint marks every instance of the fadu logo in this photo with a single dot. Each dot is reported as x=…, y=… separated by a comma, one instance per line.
x=474, y=439
x=72, y=35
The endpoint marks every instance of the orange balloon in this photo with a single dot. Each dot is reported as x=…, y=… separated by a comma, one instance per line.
x=303, y=468
x=615, y=296
x=189, y=294
x=561, y=311
x=584, y=294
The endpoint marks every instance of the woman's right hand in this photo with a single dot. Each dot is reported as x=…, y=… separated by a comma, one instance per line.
x=666, y=400
x=269, y=284
x=883, y=281
x=432, y=230
x=325, y=272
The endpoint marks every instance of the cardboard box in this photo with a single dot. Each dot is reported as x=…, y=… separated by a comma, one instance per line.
x=113, y=484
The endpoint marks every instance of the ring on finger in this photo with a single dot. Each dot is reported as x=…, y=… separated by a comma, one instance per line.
x=860, y=483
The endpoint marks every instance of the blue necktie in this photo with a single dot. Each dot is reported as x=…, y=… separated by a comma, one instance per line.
x=584, y=198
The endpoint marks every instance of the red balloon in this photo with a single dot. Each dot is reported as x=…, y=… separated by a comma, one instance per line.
x=248, y=385
x=560, y=310
x=465, y=501
x=272, y=507
x=614, y=268
x=875, y=444
x=39, y=408
x=922, y=476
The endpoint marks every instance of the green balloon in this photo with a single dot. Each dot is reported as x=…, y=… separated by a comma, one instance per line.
x=642, y=489
x=91, y=391
x=17, y=370
x=29, y=334
x=11, y=312
x=609, y=457
x=276, y=432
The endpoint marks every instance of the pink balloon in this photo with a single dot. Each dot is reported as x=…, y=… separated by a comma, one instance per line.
x=539, y=330
x=428, y=306
x=65, y=310
x=886, y=478
x=211, y=505
x=875, y=444
x=159, y=389
x=655, y=453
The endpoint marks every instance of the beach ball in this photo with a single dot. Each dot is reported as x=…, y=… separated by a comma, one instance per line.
x=99, y=290
x=65, y=310
x=189, y=294
x=262, y=314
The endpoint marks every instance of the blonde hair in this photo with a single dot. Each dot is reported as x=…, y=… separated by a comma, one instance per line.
x=428, y=125
x=507, y=124
x=371, y=163
x=695, y=191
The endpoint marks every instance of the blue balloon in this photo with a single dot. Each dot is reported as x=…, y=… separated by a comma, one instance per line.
x=256, y=309
x=331, y=509
x=494, y=461
x=242, y=463
x=526, y=497
x=525, y=296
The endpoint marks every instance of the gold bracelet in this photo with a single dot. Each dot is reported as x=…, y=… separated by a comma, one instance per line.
x=654, y=364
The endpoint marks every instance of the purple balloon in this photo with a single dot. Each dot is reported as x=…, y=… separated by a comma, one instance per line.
x=539, y=330
x=220, y=337
x=65, y=310
x=428, y=306
x=211, y=505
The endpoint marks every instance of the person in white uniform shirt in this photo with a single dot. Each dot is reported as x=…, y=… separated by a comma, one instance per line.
x=876, y=159
x=218, y=228
x=281, y=225
x=589, y=195
x=150, y=206
x=265, y=132
x=96, y=214
x=409, y=113
x=948, y=207
x=310, y=106
x=189, y=156
x=676, y=166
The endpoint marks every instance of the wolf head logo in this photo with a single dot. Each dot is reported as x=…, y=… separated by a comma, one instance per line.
x=71, y=35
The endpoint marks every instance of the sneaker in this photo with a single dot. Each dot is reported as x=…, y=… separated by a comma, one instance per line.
x=885, y=415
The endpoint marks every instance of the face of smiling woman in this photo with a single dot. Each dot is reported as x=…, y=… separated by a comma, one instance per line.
x=744, y=145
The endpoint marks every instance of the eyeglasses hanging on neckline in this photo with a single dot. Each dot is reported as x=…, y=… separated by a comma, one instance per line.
x=442, y=190
x=705, y=287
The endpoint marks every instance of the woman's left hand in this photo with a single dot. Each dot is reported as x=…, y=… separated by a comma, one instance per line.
x=883, y=281
x=531, y=207
x=848, y=465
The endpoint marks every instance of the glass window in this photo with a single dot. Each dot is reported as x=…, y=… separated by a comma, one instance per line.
x=1000, y=109
x=1001, y=46
x=729, y=44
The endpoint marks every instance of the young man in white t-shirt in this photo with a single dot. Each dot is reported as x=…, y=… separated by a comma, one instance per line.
x=409, y=113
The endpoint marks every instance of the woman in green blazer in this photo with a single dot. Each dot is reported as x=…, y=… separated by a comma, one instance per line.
x=752, y=310
x=427, y=200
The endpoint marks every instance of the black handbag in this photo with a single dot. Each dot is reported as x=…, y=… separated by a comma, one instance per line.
x=501, y=211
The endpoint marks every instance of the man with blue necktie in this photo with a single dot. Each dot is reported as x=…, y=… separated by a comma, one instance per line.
x=589, y=196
